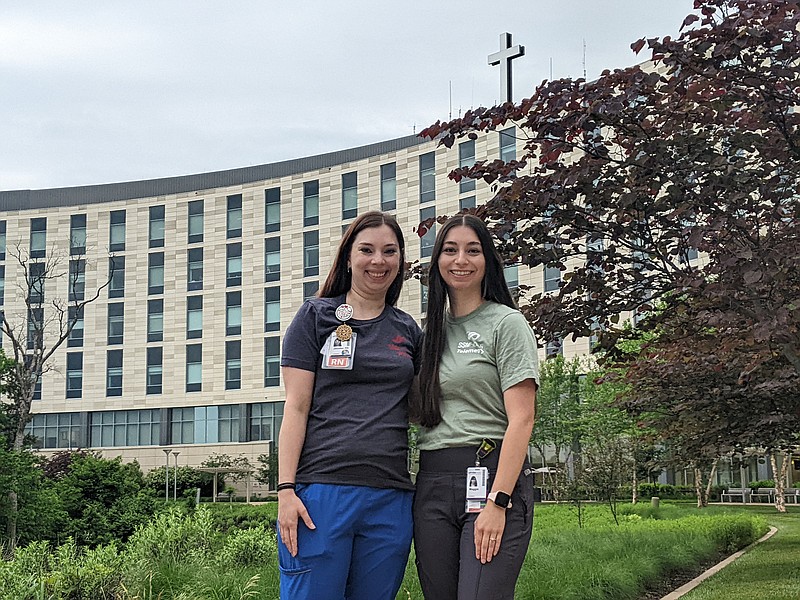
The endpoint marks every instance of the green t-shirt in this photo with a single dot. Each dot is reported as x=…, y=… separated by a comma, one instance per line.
x=486, y=352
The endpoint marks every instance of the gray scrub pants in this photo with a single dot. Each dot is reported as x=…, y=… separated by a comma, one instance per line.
x=444, y=532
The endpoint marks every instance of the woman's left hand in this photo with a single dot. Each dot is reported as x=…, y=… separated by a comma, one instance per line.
x=489, y=528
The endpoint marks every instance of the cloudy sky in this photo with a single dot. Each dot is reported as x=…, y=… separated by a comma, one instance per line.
x=99, y=92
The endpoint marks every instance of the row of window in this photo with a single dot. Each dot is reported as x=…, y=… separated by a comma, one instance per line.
x=193, y=371
x=272, y=205
x=158, y=427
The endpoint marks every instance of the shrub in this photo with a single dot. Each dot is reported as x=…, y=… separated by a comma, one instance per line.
x=763, y=483
x=249, y=547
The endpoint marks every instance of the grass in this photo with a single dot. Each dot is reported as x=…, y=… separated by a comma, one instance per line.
x=771, y=569
x=228, y=552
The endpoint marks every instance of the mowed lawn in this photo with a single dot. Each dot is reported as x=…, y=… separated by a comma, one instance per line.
x=768, y=571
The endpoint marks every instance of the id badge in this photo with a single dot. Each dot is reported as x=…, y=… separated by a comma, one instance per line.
x=477, y=488
x=338, y=354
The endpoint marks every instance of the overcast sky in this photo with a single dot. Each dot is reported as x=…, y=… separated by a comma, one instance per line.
x=99, y=92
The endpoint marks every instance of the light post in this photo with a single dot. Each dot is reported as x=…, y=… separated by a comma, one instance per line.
x=167, y=451
x=175, y=488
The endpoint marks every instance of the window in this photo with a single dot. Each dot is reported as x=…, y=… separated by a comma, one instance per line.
x=234, y=264
x=310, y=253
x=2, y=240
x=36, y=279
x=114, y=373
x=75, y=319
x=388, y=186
x=234, y=216
x=466, y=158
x=154, y=370
x=156, y=226
x=116, y=323
x=349, y=195
x=467, y=202
x=194, y=317
x=427, y=177
x=214, y=424
x=553, y=348
x=310, y=203
x=552, y=279
x=116, y=235
x=77, y=280
x=272, y=259
x=427, y=240
x=38, y=247
x=195, y=269
x=423, y=303
x=59, y=430
x=77, y=235
x=272, y=309
x=272, y=362
x=205, y=424
x=310, y=289
x=74, y=374
x=233, y=365
x=194, y=367
x=2, y=285
x=155, y=320
x=126, y=428
x=35, y=328
x=265, y=420
x=155, y=273
x=272, y=210
x=233, y=313
x=116, y=273
x=508, y=144
x=195, y=221
x=594, y=254
x=182, y=425
x=511, y=273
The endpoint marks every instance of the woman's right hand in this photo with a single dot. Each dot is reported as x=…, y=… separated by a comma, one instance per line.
x=290, y=510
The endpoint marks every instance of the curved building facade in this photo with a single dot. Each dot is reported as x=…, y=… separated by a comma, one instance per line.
x=181, y=349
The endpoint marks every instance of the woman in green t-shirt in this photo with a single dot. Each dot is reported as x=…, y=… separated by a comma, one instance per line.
x=476, y=411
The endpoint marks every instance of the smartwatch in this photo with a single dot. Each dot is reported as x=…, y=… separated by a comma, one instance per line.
x=501, y=499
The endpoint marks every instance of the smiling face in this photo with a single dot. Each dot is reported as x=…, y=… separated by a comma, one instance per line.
x=374, y=261
x=462, y=264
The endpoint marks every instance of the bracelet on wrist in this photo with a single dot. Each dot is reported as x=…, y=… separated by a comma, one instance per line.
x=287, y=485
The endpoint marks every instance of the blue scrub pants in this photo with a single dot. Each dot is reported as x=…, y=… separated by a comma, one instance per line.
x=359, y=549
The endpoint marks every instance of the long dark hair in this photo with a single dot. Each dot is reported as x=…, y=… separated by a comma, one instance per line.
x=339, y=277
x=493, y=288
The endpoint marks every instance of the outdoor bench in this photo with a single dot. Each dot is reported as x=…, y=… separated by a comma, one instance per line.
x=743, y=493
x=768, y=493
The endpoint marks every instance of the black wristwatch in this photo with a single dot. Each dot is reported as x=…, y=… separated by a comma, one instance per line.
x=500, y=499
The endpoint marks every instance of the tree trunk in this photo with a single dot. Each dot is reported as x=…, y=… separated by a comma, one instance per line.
x=698, y=488
x=11, y=525
x=780, y=477
x=634, y=486
x=710, y=481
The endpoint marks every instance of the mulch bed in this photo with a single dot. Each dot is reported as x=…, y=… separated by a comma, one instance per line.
x=672, y=581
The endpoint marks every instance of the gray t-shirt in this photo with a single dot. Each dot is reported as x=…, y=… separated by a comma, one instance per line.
x=357, y=431
x=486, y=352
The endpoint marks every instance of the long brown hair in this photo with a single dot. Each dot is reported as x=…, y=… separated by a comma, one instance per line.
x=428, y=412
x=339, y=277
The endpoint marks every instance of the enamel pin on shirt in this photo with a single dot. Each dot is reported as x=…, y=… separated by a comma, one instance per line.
x=344, y=312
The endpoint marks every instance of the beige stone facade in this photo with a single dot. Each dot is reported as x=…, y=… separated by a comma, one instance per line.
x=90, y=417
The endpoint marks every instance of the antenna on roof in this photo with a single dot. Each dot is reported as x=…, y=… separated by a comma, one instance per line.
x=584, y=58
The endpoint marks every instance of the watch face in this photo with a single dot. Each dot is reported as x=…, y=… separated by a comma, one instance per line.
x=502, y=499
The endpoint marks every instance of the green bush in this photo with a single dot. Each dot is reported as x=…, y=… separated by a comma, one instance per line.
x=171, y=536
x=763, y=483
x=249, y=547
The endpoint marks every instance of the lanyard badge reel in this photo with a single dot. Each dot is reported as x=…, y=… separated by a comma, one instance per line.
x=478, y=478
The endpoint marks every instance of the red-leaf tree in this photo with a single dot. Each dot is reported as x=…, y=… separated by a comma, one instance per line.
x=677, y=180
